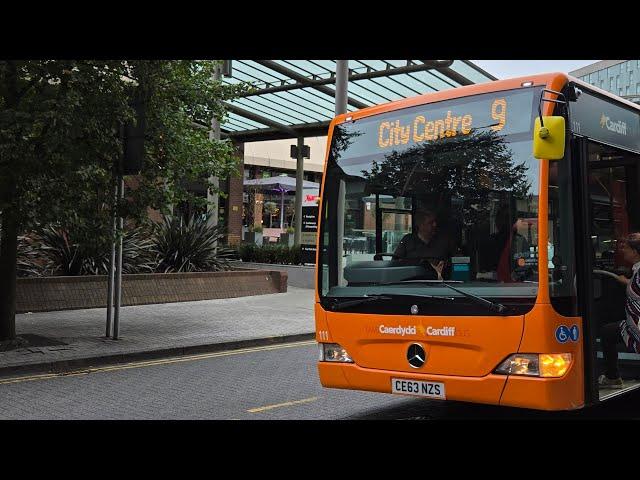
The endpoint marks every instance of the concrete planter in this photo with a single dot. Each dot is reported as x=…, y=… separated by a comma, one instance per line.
x=40, y=294
x=287, y=239
x=254, y=237
x=301, y=276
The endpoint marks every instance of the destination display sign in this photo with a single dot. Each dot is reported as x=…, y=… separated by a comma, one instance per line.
x=506, y=113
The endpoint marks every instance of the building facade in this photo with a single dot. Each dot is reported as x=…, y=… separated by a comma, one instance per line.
x=620, y=77
x=262, y=160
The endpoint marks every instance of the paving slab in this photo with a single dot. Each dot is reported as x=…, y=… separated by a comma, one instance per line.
x=77, y=337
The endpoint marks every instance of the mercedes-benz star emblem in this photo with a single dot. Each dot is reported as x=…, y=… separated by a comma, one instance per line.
x=416, y=355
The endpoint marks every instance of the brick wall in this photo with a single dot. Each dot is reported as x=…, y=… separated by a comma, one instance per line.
x=234, y=201
x=66, y=293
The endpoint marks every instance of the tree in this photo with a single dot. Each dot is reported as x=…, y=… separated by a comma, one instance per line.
x=181, y=94
x=271, y=208
x=59, y=142
x=474, y=168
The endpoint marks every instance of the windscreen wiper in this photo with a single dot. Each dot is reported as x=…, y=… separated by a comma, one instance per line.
x=336, y=304
x=493, y=306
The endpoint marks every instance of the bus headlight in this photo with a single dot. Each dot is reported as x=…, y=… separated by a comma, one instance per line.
x=520, y=364
x=554, y=364
x=547, y=365
x=332, y=352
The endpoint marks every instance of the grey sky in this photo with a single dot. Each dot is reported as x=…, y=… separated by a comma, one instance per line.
x=517, y=68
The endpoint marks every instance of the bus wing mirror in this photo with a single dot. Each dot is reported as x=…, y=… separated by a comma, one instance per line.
x=548, y=132
x=548, y=137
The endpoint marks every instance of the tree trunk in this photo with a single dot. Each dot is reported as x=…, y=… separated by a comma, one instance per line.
x=8, y=269
x=9, y=227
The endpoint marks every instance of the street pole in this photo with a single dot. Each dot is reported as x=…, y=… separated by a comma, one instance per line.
x=297, y=236
x=112, y=262
x=214, y=134
x=118, y=274
x=281, y=209
x=342, y=78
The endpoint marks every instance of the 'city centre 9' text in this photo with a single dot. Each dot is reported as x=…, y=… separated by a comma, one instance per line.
x=422, y=129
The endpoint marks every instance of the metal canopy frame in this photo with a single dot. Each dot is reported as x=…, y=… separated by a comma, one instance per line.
x=296, y=98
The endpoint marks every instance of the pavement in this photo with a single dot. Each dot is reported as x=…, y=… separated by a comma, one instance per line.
x=76, y=338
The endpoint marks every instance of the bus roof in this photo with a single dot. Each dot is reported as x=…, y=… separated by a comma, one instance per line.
x=555, y=78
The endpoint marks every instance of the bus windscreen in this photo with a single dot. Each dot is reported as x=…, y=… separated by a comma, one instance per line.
x=445, y=192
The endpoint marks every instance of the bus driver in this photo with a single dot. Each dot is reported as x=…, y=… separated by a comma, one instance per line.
x=426, y=242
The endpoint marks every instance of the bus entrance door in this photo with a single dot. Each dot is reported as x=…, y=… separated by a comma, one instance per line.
x=613, y=202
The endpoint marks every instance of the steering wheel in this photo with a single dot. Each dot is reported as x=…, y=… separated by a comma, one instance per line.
x=378, y=256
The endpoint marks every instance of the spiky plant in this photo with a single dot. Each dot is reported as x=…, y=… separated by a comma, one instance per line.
x=190, y=245
x=30, y=262
x=76, y=250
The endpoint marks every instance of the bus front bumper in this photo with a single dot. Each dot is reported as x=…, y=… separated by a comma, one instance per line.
x=515, y=391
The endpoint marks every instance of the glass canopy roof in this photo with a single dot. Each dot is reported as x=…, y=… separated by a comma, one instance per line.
x=296, y=97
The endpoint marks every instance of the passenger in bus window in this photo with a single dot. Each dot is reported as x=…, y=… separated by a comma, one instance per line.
x=628, y=329
x=503, y=254
x=427, y=241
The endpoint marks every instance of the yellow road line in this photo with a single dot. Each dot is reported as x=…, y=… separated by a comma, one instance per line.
x=151, y=363
x=285, y=404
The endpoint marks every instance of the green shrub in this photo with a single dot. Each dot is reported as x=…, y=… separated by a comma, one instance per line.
x=30, y=262
x=247, y=252
x=277, y=254
x=81, y=249
x=190, y=246
x=295, y=256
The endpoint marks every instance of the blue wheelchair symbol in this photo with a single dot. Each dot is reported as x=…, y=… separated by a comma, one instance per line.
x=564, y=333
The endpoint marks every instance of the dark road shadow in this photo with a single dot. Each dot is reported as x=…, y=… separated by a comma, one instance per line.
x=627, y=407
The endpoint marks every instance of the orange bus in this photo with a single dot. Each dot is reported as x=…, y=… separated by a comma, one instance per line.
x=469, y=241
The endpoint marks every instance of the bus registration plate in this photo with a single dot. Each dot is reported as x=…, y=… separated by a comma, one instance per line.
x=419, y=388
